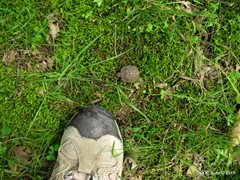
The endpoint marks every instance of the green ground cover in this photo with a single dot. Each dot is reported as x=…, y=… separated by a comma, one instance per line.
x=175, y=119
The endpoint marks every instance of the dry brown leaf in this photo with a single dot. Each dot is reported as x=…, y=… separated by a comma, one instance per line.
x=54, y=29
x=186, y=6
x=50, y=17
x=190, y=52
x=196, y=169
x=234, y=135
x=237, y=68
x=29, y=67
x=123, y=113
x=171, y=89
x=22, y=155
x=46, y=64
x=49, y=62
x=177, y=169
x=28, y=57
x=42, y=92
x=161, y=85
x=99, y=95
x=137, y=85
x=41, y=67
x=26, y=52
x=9, y=57
x=193, y=171
x=176, y=85
x=129, y=164
x=205, y=71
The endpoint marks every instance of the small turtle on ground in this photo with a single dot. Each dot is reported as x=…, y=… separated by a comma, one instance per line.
x=129, y=74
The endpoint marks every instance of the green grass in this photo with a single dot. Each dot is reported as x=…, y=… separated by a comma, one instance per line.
x=161, y=133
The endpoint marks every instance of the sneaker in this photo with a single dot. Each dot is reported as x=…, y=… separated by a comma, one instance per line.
x=91, y=147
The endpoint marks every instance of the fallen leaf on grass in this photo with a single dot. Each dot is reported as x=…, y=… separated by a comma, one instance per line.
x=237, y=68
x=123, y=113
x=129, y=164
x=53, y=26
x=186, y=6
x=177, y=169
x=177, y=84
x=100, y=96
x=193, y=172
x=161, y=85
x=54, y=29
x=9, y=57
x=205, y=71
x=234, y=135
x=22, y=155
x=42, y=92
x=25, y=52
x=28, y=66
x=137, y=85
x=101, y=84
x=28, y=57
x=171, y=89
x=46, y=64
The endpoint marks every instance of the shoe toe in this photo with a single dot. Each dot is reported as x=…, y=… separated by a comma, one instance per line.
x=95, y=122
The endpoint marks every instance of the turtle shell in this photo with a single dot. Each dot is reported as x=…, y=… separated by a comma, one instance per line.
x=129, y=73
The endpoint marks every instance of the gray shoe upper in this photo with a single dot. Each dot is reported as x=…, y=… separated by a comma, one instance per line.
x=94, y=122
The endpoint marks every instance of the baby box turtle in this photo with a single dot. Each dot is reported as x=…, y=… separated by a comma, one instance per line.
x=129, y=73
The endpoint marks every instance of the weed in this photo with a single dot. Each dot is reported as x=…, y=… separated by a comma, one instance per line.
x=51, y=152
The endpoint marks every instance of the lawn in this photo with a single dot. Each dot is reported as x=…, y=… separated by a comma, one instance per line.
x=58, y=56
